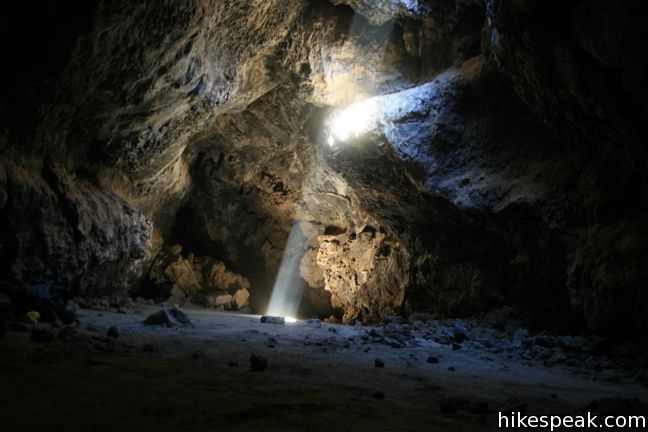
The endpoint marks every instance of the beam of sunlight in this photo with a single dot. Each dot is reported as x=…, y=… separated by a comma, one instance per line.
x=288, y=288
x=351, y=121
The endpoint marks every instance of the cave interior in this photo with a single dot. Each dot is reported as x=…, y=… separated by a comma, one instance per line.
x=316, y=214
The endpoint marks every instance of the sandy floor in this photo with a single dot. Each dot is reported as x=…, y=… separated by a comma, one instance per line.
x=182, y=379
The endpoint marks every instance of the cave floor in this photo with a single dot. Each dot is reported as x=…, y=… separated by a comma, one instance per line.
x=317, y=378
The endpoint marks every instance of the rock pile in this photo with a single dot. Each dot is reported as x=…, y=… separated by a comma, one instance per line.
x=201, y=280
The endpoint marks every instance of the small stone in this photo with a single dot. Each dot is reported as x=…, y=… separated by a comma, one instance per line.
x=433, y=360
x=459, y=332
x=456, y=346
x=315, y=323
x=379, y=363
x=233, y=363
x=39, y=335
x=379, y=395
x=258, y=363
x=272, y=342
x=30, y=317
x=521, y=334
x=113, y=332
x=393, y=319
x=220, y=300
x=267, y=319
x=451, y=368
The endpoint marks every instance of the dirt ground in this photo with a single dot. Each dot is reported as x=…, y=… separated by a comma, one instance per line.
x=319, y=377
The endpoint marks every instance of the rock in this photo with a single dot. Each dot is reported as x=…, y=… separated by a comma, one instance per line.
x=379, y=395
x=224, y=300
x=544, y=341
x=199, y=299
x=433, y=360
x=173, y=317
x=456, y=347
x=175, y=249
x=271, y=342
x=181, y=272
x=223, y=279
x=314, y=323
x=267, y=319
x=177, y=292
x=165, y=257
x=258, y=363
x=240, y=298
x=393, y=319
x=379, y=363
x=233, y=363
x=459, y=332
x=69, y=229
x=113, y=332
x=451, y=368
x=521, y=334
x=30, y=317
x=40, y=335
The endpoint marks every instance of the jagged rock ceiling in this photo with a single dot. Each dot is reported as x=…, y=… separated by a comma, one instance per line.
x=502, y=165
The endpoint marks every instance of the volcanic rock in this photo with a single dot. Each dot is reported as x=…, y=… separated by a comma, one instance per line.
x=169, y=317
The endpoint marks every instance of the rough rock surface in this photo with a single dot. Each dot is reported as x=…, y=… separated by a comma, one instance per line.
x=59, y=227
x=502, y=164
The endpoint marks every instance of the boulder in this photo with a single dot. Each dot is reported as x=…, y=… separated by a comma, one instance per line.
x=224, y=300
x=241, y=298
x=166, y=256
x=177, y=292
x=181, y=272
x=222, y=278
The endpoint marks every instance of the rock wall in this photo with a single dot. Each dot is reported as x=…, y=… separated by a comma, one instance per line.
x=60, y=228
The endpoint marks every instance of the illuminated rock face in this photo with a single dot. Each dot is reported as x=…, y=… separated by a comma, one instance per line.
x=367, y=274
x=487, y=162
